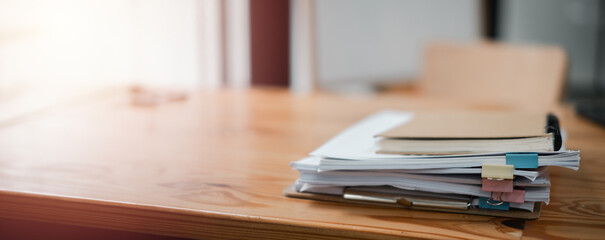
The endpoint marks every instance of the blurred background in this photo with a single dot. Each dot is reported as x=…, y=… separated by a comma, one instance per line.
x=337, y=45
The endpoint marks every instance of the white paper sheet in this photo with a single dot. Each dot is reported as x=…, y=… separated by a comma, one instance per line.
x=312, y=164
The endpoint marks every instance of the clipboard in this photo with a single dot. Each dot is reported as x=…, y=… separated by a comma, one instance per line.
x=403, y=202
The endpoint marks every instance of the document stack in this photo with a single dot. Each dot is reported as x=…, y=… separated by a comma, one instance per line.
x=492, y=164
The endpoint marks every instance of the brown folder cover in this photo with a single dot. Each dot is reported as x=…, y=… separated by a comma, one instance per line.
x=469, y=125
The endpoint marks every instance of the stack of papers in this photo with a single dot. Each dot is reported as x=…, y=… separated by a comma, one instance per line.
x=350, y=162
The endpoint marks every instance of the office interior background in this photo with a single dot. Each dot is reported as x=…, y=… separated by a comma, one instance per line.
x=334, y=45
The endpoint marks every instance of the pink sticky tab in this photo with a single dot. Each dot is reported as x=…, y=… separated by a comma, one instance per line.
x=490, y=185
x=517, y=196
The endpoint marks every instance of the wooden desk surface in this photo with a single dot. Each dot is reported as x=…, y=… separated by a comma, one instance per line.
x=215, y=166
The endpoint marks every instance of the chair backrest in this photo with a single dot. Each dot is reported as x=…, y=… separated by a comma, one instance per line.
x=523, y=76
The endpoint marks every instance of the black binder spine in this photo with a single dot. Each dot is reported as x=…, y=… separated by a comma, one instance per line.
x=552, y=126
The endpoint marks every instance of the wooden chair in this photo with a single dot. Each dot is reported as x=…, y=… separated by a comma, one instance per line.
x=529, y=77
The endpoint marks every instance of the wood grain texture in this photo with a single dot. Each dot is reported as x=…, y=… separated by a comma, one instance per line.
x=214, y=166
x=577, y=209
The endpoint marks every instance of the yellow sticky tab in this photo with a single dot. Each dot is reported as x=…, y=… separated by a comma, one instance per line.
x=497, y=171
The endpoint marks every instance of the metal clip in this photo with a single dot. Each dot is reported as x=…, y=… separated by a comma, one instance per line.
x=491, y=197
x=408, y=201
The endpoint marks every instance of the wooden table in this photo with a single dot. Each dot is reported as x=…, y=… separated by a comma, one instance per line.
x=215, y=165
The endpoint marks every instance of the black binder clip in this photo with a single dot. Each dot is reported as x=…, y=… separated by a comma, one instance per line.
x=552, y=126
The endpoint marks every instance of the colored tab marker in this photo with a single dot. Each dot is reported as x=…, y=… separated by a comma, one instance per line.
x=496, y=171
x=491, y=185
x=517, y=196
x=485, y=205
x=522, y=160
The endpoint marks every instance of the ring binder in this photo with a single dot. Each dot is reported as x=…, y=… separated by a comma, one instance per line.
x=552, y=126
x=471, y=132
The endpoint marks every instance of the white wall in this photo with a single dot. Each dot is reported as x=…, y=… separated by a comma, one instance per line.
x=101, y=42
x=302, y=47
x=570, y=24
x=381, y=41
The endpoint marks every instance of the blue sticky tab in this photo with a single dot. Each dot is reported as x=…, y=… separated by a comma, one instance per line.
x=484, y=205
x=522, y=160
